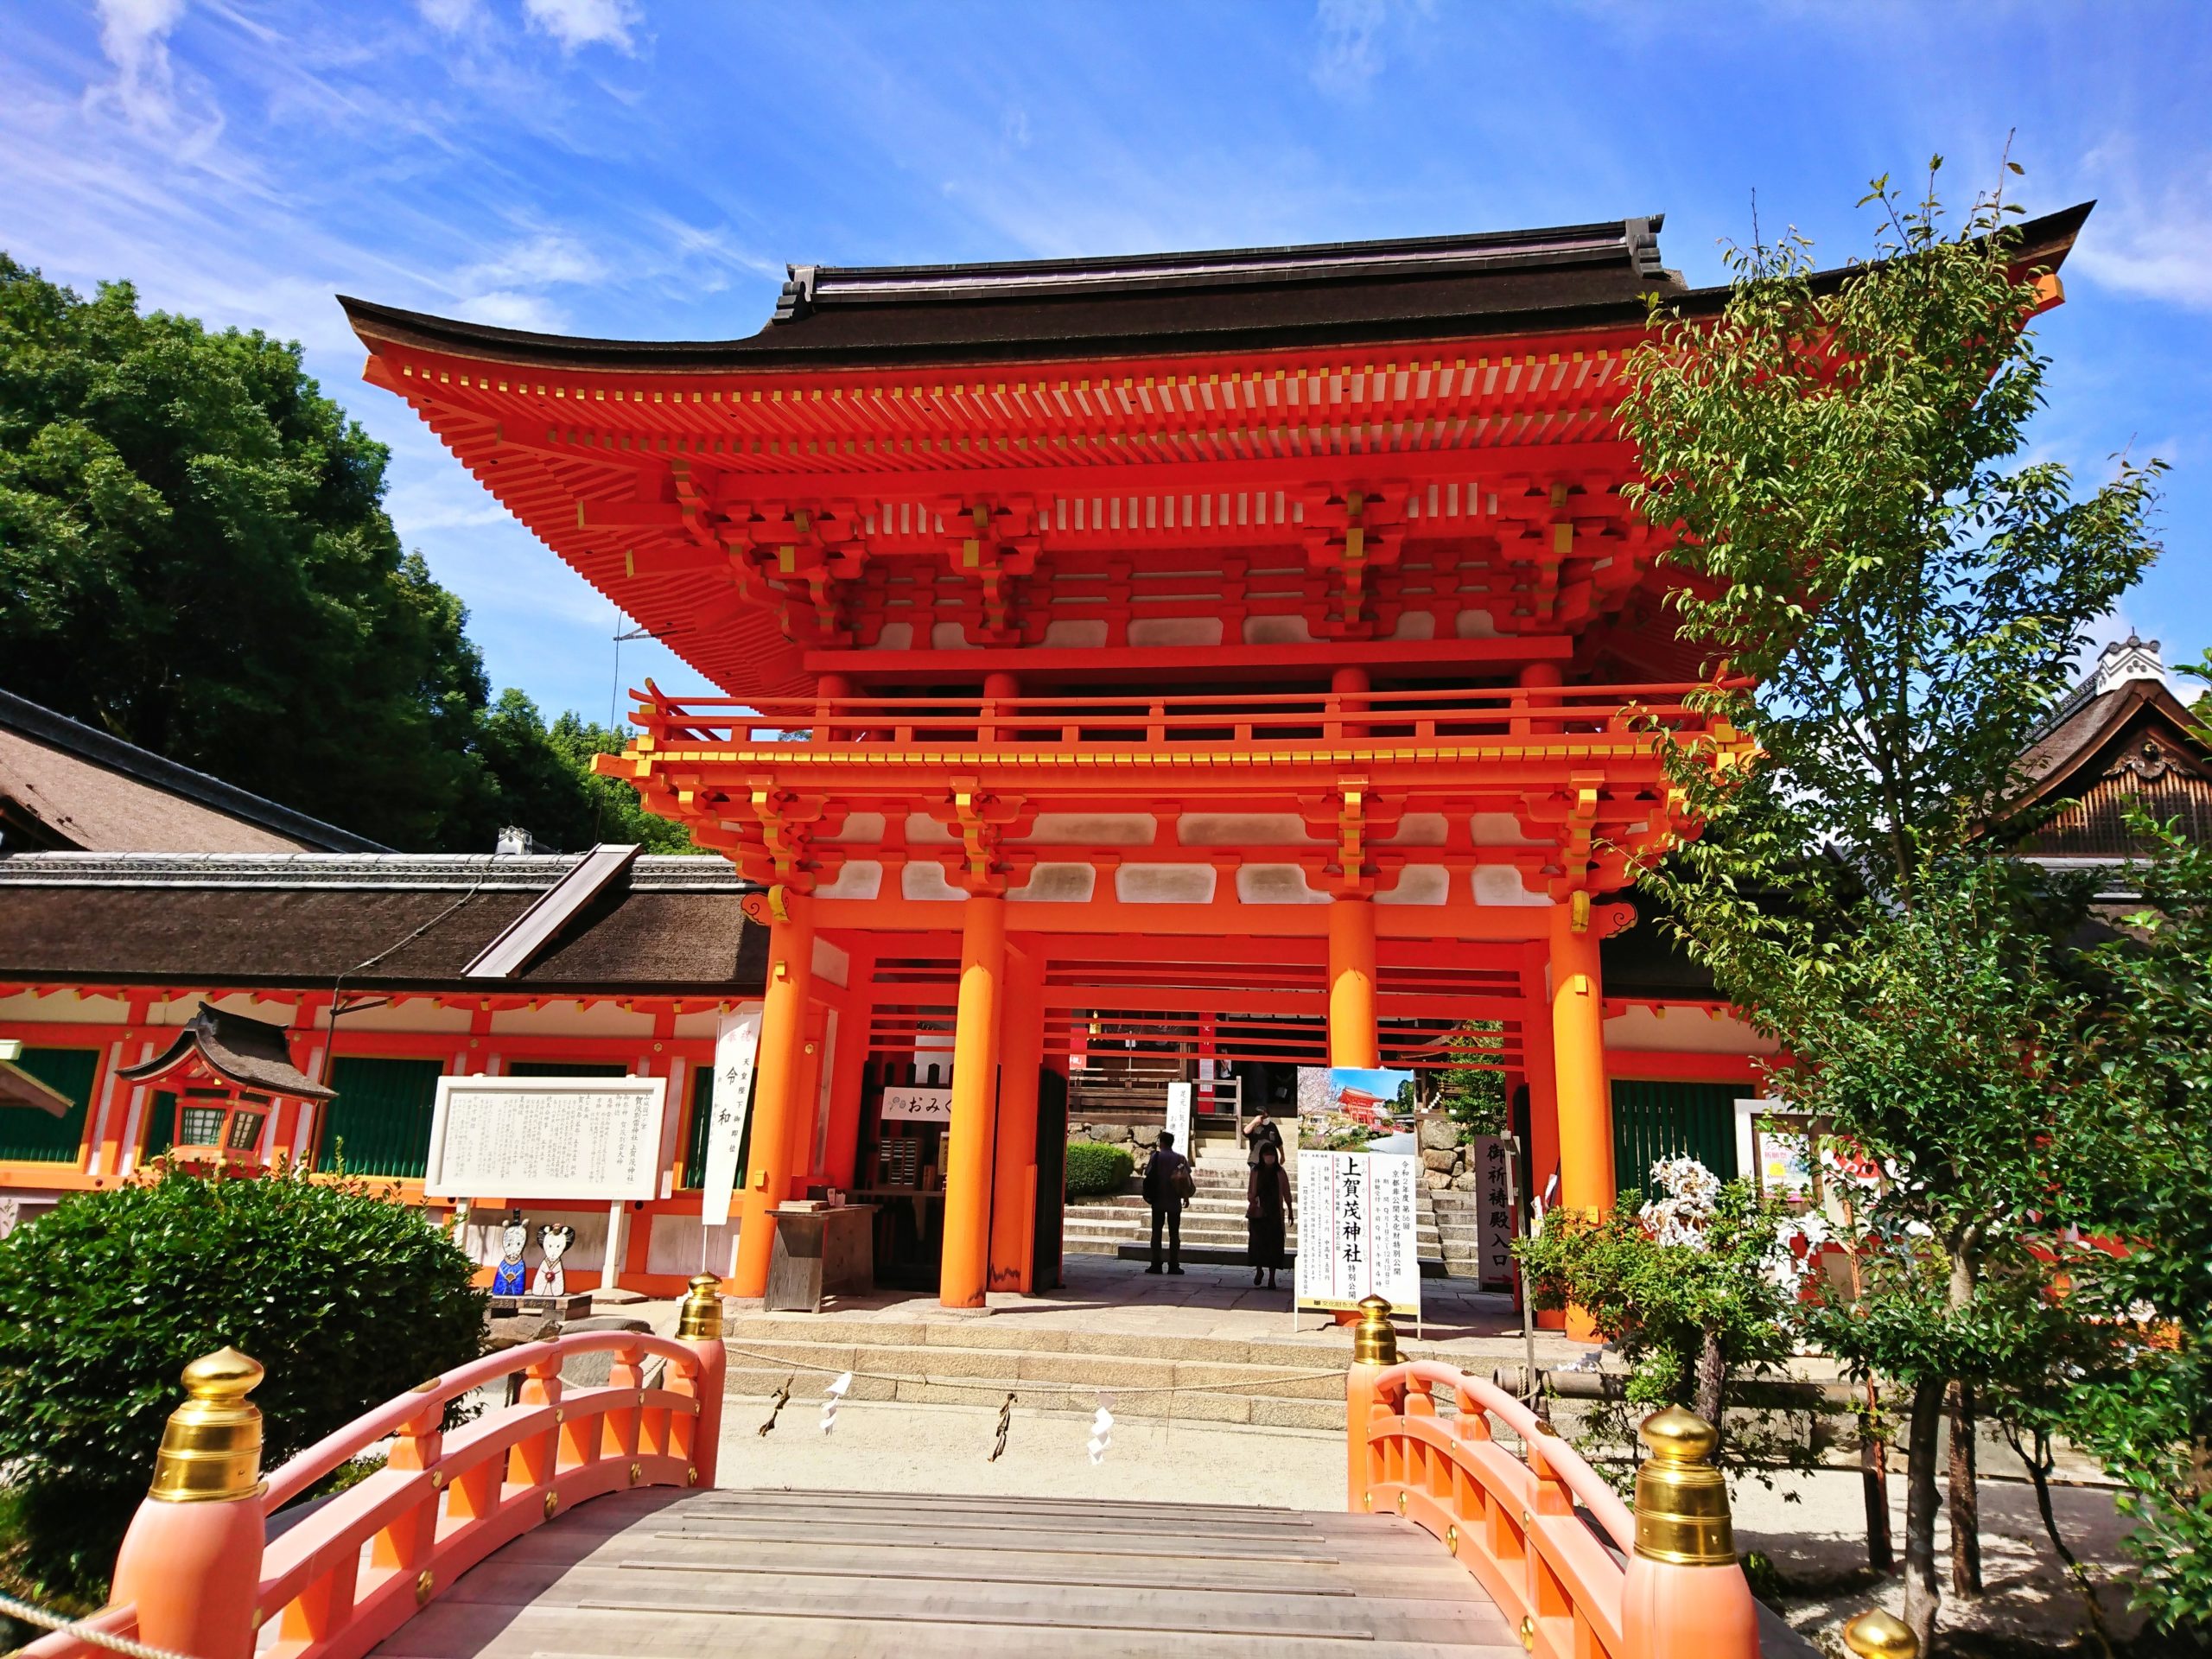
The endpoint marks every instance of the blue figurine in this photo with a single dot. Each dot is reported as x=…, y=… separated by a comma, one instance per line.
x=507, y=1278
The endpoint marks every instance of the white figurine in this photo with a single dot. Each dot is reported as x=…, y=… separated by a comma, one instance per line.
x=553, y=1242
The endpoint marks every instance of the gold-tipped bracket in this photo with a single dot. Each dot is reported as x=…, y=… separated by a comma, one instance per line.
x=211, y=1450
x=701, y=1320
x=1681, y=1500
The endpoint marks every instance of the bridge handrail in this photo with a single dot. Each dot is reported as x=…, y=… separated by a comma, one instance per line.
x=343, y=1445
x=1512, y=1522
x=197, y=1574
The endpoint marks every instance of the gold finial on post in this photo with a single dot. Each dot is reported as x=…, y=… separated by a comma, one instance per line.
x=701, y=1317
x=1878, y=1635
x=1374, y=1339
x=1681, y=1500
x=211, y=1449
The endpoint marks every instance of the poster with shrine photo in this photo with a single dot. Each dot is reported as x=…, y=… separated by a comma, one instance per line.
x=541, y=1138
x=1358, y=1191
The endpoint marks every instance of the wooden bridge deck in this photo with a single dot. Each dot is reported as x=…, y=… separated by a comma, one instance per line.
x=808, y=1575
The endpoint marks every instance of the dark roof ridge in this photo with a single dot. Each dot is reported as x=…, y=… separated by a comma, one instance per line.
x=100, y=748
x=531, y=872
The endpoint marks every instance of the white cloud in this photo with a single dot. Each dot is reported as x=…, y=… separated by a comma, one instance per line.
x=507, y=308
x=576, y=23
x=134, y=33
x=547, y=258
x=448, y=17
x=2152, y=224
x=1351, y=54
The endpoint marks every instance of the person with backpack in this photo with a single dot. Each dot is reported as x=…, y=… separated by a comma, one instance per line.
x=1168, y=1185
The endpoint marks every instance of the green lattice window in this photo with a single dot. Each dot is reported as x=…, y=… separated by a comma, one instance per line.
x=200, y=1126
x=32, y=1137
x=1652, y=1120
x=382, y=1114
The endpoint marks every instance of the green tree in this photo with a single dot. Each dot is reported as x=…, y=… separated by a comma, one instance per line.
x=1857, y=537
x=195, y=557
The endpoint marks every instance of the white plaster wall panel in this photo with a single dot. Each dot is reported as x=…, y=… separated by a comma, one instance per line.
x=1685, y=1031
x=1414, y=624
x=1276, y=884
x=566, y=1019
x=1242, y=829
x=895, y=636
x=1499, y=830
x=1057, y=884
x=1164, y=884
x=831, y=962
x=1092, y=830
x=1078, y=634
x=949, y=636
x=1419, y=884
x=699, y=1024
x=922, y=828
x=417, y=1013
x=1501, y=884
x=63, y=1008
x=1277, y=631
x=1176, y=631
x=924, y=879
x=857, y=878
x=1419, y=830
x=1474, y=625
x=864, y=827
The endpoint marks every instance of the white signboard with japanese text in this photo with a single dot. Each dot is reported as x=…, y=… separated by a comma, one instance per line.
x=538, y=1138
x=1179, y=1115
x=917, y=1106
x=737, y=1052
x=1358, y=1217
x=1490, y=1157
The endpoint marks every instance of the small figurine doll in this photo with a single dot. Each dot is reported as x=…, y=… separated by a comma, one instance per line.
x=507, y=1276
x=553, y=1242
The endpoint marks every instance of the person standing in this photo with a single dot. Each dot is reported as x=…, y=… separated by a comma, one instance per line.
x=1268, y=1212
x=1168, y=1185
x=1261, y=1131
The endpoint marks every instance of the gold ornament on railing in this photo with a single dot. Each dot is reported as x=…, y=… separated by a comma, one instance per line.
x=1878, y=1635
x=1681, y=1500
x=701, y=1317
x=211, y=1449
x=1374, y=1339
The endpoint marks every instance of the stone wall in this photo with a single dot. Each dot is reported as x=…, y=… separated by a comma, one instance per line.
x=1443, y=1160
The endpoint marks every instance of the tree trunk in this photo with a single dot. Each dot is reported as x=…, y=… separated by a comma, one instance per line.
x=1874, y=1481
x=2038, y=1467
x=1966, y=1502
x=1923, y=1595
x=1711, y=1384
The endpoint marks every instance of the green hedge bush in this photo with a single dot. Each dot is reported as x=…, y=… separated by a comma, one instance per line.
x=1094, y=1169
x=346, y=1295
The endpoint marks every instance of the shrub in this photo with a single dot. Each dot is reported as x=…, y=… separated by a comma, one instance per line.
x=347, y=1297
x=1094, y=1169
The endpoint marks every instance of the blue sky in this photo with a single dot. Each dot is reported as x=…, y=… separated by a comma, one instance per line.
x=645, y=168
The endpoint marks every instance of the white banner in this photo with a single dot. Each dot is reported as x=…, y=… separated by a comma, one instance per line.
x=917, y=1106
x=537, y=1138
x=1178, y=1117
x=737, y=1051
x=1491, y=1156
x=1358, y=1217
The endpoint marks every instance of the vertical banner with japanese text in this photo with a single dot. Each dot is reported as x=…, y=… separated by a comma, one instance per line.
x=1491, y=1156
x=737, y=1047
x=1358, y=1189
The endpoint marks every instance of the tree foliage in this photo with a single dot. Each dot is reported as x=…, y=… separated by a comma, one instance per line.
x=347, y=1297
x=1858, y=535
x=195, y=557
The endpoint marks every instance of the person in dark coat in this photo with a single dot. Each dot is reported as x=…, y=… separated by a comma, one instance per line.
x=1261, y=1131
x=1268, y=1212
x=1167, y=1185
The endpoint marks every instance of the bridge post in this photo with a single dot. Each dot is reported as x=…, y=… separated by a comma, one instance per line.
x=1373, y=1349
x=699, y=1327
x=191, y=1558
x=1686, y=1597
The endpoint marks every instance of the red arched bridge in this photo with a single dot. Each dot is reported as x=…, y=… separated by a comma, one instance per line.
x=586, y=1520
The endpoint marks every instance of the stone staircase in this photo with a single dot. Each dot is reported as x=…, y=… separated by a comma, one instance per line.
x=1214, y=1228
x=1295, y=1383
x=1458, y=1219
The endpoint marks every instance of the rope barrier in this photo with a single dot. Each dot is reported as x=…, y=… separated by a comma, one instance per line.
x=82, y=1631
x=1091, y=1389
x=775, y=1403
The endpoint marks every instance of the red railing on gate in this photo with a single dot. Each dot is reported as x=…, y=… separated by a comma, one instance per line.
x=196, y=1576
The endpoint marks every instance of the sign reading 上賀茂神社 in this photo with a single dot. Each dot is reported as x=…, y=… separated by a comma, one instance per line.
x=737, y=1050
x=917, y=1106
x=546, y=1138
x=1358, y=1191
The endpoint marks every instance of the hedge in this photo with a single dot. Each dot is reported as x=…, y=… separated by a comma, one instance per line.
x=1095, y=1169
